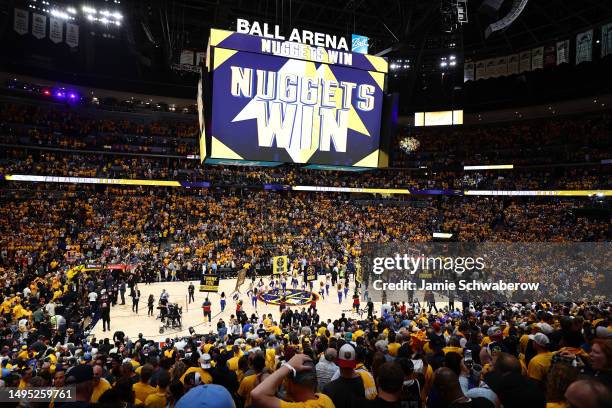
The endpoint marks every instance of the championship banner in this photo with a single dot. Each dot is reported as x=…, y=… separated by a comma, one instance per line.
x=186, y=57
x=209, y=283
x=525, y=61
x=468, y=71
x=491, y=68
x=584, y=47
x=276, y=101
x=480, y=70
x=280, y=264
x=39, y=26
x=513, y=64
x=21, y=21
x=502, y=66
x=72, y=35
x=562, y=52
x=550, y=56
x=537, y=58
x=241, y=278
x=56, y=30
x=606, y=39
x=311, y=273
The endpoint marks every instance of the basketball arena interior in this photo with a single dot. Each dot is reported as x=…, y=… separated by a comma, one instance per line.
x=305, y=203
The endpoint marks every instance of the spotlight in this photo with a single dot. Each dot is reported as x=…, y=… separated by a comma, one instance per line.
x=46, y=92
x=453, y=63
x=59, y=94
x=443, y=64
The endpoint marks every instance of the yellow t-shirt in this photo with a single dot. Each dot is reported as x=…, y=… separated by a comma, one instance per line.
x=539, y=365
x=246, y=386
x=99, y=389
x=156, y=400
x=205, y=376
x=142, y=390
x=451, y=349
x=232, y=363
x=322, y=401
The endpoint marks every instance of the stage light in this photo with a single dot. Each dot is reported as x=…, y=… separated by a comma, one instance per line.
x=89, y=10
x=71, y=10
x=46, y=92
x=453, y=63
x=104, y=20
x=117, y=23
x=118, y=16
x=72, y=95
x=443, y=64
x=452, y=57
x=60, y=14
x=59, y=94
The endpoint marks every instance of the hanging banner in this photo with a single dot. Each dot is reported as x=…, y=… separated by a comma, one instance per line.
x=525, y=61
x=186, y=57
x=584, y=47
x=200, y=58
x=20, y=25
x=480, y=69
x=490, y=68
x=311, y=273
x=56, y=30
x=537, y=58
x=606, y=39
x=279, y=264
x=513, y=64
x=72, y=35
x=563, y=52
x=209, y=283
x=468, y=71
x=501, y=68
x=39, y=26
x=550, y=56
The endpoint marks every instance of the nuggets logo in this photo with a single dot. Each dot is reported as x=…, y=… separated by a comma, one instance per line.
x=293, y=297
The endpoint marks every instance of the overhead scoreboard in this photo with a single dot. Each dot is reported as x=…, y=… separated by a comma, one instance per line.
x=271, y=101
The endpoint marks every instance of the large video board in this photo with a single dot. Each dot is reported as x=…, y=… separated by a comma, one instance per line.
x=277, y=101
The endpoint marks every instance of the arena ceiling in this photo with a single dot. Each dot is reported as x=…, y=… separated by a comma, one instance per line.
x=386, y=22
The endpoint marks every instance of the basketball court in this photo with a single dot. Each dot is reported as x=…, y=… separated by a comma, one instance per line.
x=122, y=317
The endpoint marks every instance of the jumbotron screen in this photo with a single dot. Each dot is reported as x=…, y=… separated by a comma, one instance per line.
x=275, y=101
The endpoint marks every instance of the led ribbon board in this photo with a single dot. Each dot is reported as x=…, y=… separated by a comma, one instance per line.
x=280, y=101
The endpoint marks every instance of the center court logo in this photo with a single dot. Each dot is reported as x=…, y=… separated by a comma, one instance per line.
x=359, y=44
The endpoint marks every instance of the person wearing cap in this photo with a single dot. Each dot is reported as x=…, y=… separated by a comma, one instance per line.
x=540, y=364
x=348, y=389
x=206, y=396
x=205, y=376
x=301, y=387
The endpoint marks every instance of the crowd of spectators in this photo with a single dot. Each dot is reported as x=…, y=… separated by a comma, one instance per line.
x=37, y=162
x=536, y=354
